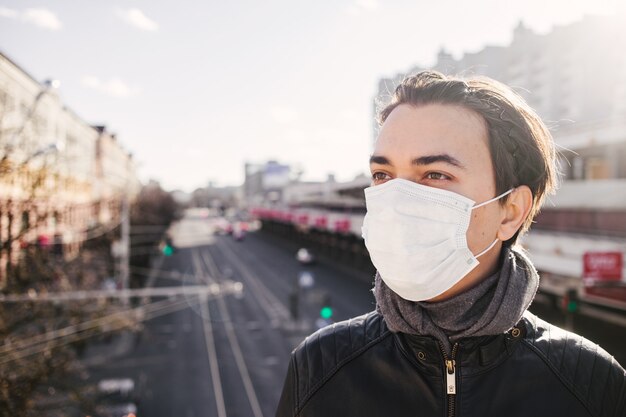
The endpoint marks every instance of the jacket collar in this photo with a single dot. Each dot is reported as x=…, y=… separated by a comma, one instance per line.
x=474, y=354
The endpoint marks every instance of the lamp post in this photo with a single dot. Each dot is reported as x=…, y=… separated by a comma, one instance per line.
x=125, y=258
x=15, y=142
x=125, y=230
x=47, y=87
x=49, y=148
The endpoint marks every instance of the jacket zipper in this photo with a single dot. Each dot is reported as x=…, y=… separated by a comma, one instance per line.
x=450, y=376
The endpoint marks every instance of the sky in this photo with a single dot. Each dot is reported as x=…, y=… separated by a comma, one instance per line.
x=195, y=89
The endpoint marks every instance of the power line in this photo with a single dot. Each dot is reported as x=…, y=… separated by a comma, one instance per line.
x=73, y=336
x=213, y=289
x=55, y=338
x=69, y=330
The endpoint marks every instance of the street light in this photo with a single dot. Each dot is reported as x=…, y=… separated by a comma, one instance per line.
x=48, y=149
x=47, y=87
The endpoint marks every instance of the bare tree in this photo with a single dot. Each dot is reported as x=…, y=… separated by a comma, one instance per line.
x=39, y=363
x=151, y=215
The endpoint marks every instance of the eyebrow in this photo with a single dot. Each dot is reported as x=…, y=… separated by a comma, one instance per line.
x=422, y=160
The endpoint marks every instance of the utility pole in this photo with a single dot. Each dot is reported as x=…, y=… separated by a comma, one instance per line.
x=125, y=243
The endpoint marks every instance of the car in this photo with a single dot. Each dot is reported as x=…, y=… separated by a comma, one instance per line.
x=223, y=226
x=116, y=398
x=239, y=234
x=305, y=256
x=117, y=410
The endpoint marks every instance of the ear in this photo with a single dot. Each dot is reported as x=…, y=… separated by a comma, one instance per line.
x=515, y=212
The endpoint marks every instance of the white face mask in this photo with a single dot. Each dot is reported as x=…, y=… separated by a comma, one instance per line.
x=416, y=237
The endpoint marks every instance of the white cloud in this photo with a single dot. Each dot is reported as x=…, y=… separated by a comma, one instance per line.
x=43, y=18
x=138, y=19
x=9, y=13
x=113, y=87
x=283, y=115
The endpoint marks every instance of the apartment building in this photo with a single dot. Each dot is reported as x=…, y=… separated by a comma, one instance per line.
x=57, y=172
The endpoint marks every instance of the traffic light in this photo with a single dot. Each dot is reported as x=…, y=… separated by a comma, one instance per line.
x=570, y=301
x=326, y=312
x=168, y=250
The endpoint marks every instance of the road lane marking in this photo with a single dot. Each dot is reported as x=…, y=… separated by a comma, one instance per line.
x=209, y=340
x=232, y=340
x=273, y=307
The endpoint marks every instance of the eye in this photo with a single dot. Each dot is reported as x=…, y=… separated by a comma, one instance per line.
x=437, y=176
x=378, y=177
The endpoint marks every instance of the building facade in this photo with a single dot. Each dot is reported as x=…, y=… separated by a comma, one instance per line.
x=114, y=176
x=265, y=182
x=57, y=172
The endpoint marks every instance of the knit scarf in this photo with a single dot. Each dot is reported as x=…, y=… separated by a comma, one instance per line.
x=492, y=307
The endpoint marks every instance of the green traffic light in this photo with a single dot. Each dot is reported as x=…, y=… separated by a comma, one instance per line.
x=572, y=306
x=326, y=312
x=168, y=250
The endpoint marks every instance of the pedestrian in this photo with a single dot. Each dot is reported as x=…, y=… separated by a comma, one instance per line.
x=459, y=170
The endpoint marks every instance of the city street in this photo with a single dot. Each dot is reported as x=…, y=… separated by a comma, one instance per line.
x=227, y=355
x=172, y=228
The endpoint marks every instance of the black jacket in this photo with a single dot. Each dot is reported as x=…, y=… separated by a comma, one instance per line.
x=359, y=368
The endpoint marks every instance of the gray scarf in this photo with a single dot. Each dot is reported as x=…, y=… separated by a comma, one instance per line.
x=492, y=307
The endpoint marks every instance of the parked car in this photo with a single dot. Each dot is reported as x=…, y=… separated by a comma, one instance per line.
x=117, y=410
x=116, y=398
x=239, y=234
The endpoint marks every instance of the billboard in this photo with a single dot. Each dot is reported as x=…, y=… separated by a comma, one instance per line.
x=602, y=266
x=275, y=176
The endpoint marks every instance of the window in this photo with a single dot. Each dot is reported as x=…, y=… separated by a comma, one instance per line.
x=25, y=220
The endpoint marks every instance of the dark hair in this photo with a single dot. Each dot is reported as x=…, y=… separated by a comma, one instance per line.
x=521, y=147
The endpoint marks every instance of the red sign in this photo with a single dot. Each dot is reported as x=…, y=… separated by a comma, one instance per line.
x=603, y=266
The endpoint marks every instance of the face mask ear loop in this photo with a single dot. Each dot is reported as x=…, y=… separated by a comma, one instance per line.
x=488, y=249
x=494, y=199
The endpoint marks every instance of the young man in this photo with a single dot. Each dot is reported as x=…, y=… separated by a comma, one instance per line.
x=459, y=170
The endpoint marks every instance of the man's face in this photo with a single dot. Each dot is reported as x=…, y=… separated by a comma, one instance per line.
x=444, y=146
